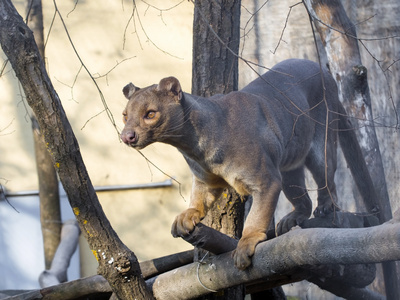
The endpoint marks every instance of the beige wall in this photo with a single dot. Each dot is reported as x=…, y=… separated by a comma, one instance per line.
x=142, y=218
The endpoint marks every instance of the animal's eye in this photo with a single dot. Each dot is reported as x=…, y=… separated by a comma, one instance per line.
x=150, y=114
x=124, y=117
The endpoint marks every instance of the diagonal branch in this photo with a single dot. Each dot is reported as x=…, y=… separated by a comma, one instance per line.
x=116, y=262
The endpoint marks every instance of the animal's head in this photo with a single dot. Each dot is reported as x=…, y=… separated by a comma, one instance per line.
x=153, y=114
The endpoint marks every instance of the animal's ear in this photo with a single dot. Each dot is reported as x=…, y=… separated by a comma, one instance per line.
x=171, y=85
x=129, y=89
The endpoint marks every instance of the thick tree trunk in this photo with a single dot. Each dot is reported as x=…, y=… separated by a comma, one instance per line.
x=215, y=27
x=117, y=263
x=339, y=37
x=50, y=213
x=215, y=70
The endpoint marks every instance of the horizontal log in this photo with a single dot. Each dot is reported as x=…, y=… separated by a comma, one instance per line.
x=277, y=260
x=97, y=284
x=297, y=248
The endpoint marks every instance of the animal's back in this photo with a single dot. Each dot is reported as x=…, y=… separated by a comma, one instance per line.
x=290, y=79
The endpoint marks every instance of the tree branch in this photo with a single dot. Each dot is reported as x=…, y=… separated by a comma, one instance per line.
x=279, y=256
x=95, y=285
x=275, y=262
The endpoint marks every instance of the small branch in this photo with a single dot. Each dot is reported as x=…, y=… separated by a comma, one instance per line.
x=154, y=267
x=210, y=240
x=109, y=114
x=284, y=27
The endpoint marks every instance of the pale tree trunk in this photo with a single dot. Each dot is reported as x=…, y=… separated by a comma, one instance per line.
x=50, y=213
x=215, y=71
x=57, y=273
x=381, y=57
x=339, y=37
x=117, y=263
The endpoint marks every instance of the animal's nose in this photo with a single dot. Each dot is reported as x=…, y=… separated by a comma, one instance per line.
x=129, y=137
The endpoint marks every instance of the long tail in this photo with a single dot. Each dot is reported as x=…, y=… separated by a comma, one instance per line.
x=355, y=159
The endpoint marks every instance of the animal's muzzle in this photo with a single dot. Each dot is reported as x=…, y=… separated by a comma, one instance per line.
x=129, y=138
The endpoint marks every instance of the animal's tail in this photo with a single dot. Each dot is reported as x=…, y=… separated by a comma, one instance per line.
x=355, y=159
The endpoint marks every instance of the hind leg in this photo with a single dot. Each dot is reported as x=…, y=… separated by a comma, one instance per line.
x=293, y=185
x=321, y=162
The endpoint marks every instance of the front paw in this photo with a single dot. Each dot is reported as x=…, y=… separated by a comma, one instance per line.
x=290, y=220
x=185, y=222
x=245, y=249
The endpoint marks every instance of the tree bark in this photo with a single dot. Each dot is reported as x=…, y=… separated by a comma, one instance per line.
x=282, y=260
x=339, y=37
x=50, y=213
x=95, y=287
x=117, y=263
x=216, y=26
x=273, y=258
x=338, y=276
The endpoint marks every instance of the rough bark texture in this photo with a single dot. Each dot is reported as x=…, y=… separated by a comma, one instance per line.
x=50, y=213
x=382, y=59
x=96, y=287
x=275, y=262
x=117, y=263
x=215, y=27
x=215, y=70
x=281, y=255
x=339, y=37
x=340, y=41
x=335, y=277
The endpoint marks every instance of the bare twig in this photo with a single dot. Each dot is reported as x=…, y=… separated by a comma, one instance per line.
x=6, y=127
x=3, y=67
x=107, y=110
x=132, y=17
x=112, y=69
x=3, y=195
x=169, y=176
x=245, y=33
x=73, y=9
x=284, y=27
